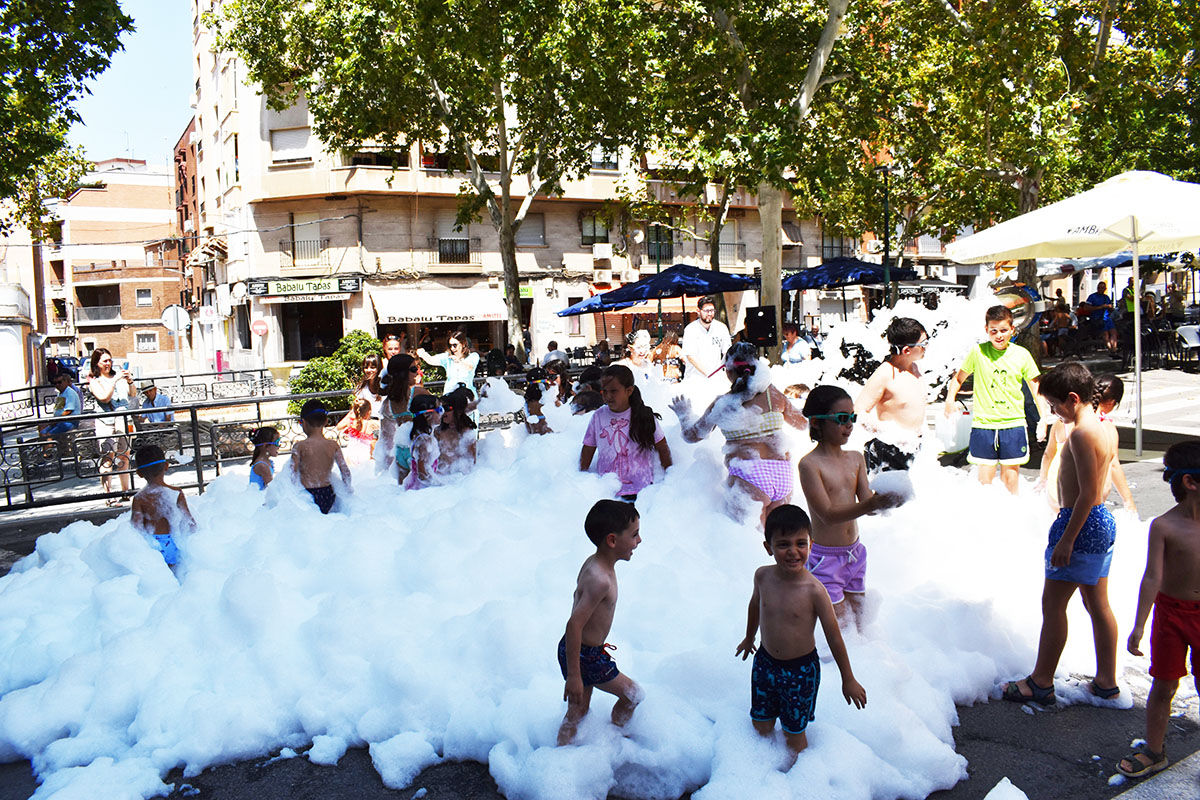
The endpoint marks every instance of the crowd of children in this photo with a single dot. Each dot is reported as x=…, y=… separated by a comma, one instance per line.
x=818, y=574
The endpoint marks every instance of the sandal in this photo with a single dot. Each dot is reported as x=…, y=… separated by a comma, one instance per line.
x=1042, y=695
x=1157, y=762
x=1102, y=693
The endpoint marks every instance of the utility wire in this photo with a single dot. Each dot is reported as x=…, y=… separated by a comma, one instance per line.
x=63, y=245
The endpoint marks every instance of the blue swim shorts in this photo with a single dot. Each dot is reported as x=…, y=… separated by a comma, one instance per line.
x=1092, y=552
x=785, y=689
x=596, y=666
x=1002, y=446
x=166, y=546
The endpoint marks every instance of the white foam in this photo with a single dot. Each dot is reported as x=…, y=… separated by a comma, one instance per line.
x=424, y=626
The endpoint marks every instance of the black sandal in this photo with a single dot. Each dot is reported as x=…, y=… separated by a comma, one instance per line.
x=1102, y=693
x=1042, y=695
x=1158, y=762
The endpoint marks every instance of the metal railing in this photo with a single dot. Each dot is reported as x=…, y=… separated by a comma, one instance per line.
x=304, y=253
x=97, y=313
x=732, y=252
x=454, y=250
x=37, y=472
x=663, y=251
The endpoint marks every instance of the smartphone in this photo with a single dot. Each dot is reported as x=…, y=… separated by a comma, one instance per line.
x=125, y=366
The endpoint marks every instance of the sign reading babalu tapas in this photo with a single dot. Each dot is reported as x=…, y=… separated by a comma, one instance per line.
x=303, y=289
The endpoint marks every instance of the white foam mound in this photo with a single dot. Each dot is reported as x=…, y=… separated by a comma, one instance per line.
x=897, y=482
x=424, y=626
x=1004, y=790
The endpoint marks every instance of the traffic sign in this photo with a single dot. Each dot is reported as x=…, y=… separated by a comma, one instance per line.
x=175, y=318
x=208, y=315
x=259, y=327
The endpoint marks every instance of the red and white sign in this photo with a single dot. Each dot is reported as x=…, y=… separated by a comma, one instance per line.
x=259, y=327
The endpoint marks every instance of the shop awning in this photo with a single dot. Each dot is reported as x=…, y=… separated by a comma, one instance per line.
x=399, y=305
x=790, y=232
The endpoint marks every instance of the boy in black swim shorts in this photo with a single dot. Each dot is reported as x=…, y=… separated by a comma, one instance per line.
x=613, y=527
x=787, y=603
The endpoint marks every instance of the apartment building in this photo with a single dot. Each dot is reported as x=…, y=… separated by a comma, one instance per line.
x=107, y=271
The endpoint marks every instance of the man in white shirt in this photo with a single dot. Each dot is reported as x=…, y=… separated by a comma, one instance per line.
x=555, y=354
x=705, y=341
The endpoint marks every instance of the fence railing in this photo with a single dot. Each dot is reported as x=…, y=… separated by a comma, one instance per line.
x=38, y=472
x=97, y=313
x=304, y=252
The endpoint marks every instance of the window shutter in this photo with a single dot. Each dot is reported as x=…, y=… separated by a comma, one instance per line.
x=290, y=144
x=532, y=230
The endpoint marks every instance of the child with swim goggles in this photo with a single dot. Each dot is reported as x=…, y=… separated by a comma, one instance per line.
x=266, y=447
x=159, y=510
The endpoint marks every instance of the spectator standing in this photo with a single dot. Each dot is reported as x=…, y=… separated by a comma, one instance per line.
x=705, y=342
x=554, y=354
x=392, y=347
x=1127, y=298
x=1175, y=303
x=458, y=361
x=369, y=386
x=152, y=398
x=669, y=356
x=1101, y=315
x=795, y=349
x=113, y=390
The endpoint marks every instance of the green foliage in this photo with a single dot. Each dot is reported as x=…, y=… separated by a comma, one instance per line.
x=50, y=50
x=58, y=175
x=323, y=374
x=352, y=349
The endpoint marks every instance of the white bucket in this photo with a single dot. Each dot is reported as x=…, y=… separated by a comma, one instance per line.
x=954, y=431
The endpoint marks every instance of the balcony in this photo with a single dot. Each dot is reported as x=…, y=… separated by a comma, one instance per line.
x=454, y=251
x=60, y=327
x=732, y=252
x=295, y=253
x=97, y=314
x=660, y=251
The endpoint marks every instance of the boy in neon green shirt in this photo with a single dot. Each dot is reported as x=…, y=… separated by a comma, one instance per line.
x=998, y=432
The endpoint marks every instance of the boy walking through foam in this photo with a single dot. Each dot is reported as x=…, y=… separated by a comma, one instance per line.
x=1171, y=584
x=896, y=393
x=998, y=432
x=313, y=458
x=786, y=605
x=582, y=654
x=159, y=510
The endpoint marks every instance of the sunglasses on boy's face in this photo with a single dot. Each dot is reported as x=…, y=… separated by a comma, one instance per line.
x=438, y=409
x=841, y=418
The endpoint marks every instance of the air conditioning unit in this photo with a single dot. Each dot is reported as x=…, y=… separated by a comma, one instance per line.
x=602, y=251
x=602, y=276
x=630, y=275
x=875, y=246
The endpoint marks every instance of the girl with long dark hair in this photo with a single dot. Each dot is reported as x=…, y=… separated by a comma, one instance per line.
x=113, y=391
x=399, y=390
x=456, y=436
x=426, y=417
x=625, y=434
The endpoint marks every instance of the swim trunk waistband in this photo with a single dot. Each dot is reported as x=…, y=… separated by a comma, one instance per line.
x=846, y=551
x=1187, y=606
x=791, y=663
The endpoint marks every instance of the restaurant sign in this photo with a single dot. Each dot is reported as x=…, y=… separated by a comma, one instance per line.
x=303, y=289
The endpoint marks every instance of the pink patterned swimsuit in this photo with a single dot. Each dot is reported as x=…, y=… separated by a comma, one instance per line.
x=608, y=432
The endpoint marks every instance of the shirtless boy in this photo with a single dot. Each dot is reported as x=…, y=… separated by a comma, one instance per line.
x=1080, y=545
x=896, y=393
x=582, y=654
x=1171, y=584
x=313, y=458
x=159, y=510
x=838, y=493
x=787, y=604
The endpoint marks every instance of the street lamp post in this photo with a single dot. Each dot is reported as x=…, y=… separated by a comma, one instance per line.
x=658, y=269
x=887, y=237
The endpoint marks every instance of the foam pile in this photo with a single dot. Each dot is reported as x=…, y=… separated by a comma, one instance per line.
x=423, y=625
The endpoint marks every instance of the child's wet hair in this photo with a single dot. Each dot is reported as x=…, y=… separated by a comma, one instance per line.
x=742, y=361
x=420, y=404
x=796, y=391
x=819, y=401
x=535, y=380
x=1068, y=377
x=150, y=461
x=997, y=313
x=786, y=518
x=590, y=378
x=399, y=367
x=362, y=408
x=1181, y=458
x=314, y=411
x=641, y=416
x=903, y=332
x=260, y=438
x=608, y=516
x=1110, y=389
x=455, y=405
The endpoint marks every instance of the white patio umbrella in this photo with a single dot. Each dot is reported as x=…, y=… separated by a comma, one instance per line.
x=1145, y=212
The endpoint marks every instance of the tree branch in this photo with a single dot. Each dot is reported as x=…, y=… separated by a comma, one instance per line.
x=745, y=75
x=962, y=24
x=820, y=57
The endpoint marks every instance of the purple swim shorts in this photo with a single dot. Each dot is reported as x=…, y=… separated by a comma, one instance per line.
x=839, y=569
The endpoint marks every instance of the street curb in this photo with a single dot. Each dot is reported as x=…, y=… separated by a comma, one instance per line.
x=1178, y=780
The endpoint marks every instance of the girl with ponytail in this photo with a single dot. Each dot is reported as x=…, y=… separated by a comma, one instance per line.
x=626, y=434
x=751, y=416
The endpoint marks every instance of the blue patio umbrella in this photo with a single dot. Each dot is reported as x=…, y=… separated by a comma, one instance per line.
x=839, y=272
x=681, y=280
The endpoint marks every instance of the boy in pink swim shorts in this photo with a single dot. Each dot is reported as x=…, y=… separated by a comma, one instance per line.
x=838, y=493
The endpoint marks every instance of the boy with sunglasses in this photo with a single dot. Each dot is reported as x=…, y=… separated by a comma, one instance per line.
x=314, y=456
x=896, y=393
x=838, y=493
x=1171, y=584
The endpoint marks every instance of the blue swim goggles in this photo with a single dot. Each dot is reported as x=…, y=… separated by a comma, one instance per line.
x=1169, y=473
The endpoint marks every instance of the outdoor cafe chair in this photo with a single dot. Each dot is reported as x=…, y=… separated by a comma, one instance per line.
x=1188, y=340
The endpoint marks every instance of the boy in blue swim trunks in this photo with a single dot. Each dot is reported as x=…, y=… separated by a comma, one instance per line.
x=613, y=527
x=998, y=433
x=159, y=510
x=1080, y=545
x=787, y=603
x=314, y=457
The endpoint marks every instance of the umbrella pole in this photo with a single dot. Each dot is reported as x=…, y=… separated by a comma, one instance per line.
x=843, y=304
x=1137, y=344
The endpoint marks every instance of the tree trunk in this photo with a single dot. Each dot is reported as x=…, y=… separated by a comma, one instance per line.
x=1029, y=189
x=770, y=214
x=714, y=248
x=512, y=287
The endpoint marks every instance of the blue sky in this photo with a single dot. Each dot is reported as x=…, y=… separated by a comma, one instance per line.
x=139, y=105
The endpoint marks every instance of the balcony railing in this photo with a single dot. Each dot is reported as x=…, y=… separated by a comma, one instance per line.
x=660, y=251
x=732, y=252
x=60, y=327
x=454, y=251
x=304, y=253
x=97, y=313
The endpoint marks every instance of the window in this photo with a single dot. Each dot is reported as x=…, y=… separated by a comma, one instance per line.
x=836, y=246
x=242, y=316
x=432, y=159
x=659, y=246
x=595, y=229
x=290, y=145
x=532, y=230
x=574, y=323
x=146, y=342
x=144, y=298
x=604, y=159
x=392, y=159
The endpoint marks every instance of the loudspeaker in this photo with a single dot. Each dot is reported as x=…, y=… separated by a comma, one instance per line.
x=760, y=326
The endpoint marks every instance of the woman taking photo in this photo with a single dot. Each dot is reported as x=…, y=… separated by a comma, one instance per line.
x=113, y=390
x=459, y=362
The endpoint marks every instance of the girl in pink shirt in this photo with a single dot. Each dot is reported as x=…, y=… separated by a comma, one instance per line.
x=623, y=434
